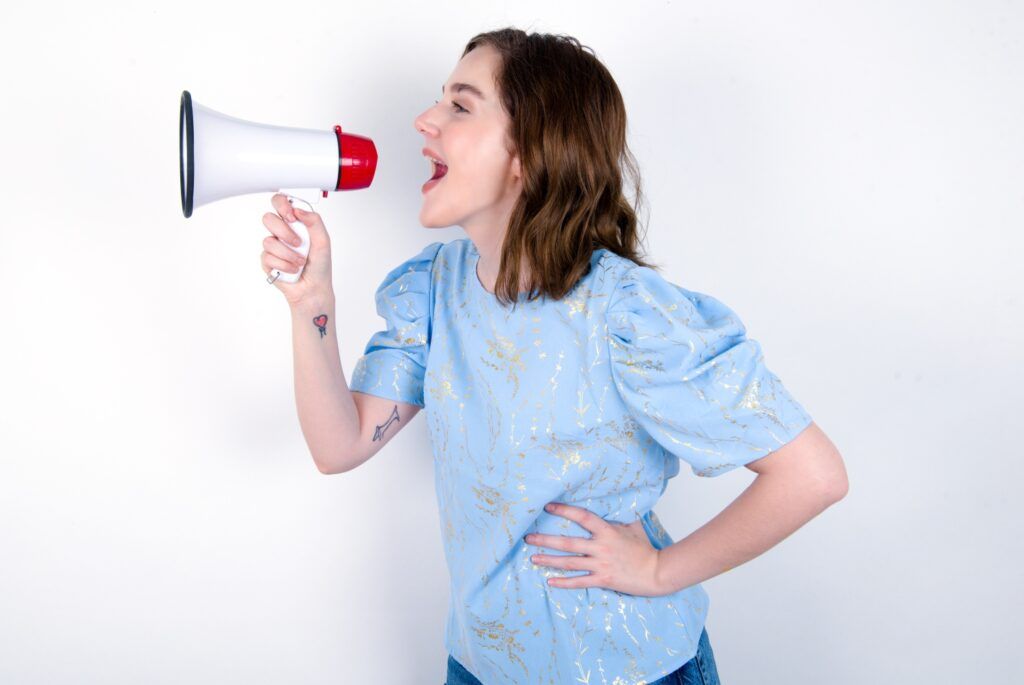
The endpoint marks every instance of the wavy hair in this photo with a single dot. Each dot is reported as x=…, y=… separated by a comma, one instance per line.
x=568, y=126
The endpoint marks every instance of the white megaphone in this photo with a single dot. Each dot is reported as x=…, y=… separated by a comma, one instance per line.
x=223, y=156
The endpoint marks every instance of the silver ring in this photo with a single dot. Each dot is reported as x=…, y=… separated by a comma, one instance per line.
x=271, y=280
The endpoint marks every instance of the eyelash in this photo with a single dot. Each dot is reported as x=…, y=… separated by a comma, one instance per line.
x=456, y=105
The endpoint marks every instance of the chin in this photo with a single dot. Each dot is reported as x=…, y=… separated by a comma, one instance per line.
x=436, y=215
x=431, y=222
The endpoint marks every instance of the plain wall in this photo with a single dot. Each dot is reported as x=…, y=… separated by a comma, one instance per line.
x=846, y=176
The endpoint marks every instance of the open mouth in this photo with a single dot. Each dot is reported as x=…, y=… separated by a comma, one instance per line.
x=439, y=169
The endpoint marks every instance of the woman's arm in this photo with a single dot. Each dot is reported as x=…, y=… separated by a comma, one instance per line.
x=327, y=412
x=343, y=429
x=795, y=483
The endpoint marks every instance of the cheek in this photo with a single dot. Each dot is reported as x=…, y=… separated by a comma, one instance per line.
x=480, y=158
x=484, y=172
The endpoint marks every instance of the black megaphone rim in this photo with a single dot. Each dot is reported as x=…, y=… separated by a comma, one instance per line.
x=188, y=180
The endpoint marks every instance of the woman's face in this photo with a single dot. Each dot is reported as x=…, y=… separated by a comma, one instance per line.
x=467, y=132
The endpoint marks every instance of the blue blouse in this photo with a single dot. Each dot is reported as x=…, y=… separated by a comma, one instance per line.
x=591, y=400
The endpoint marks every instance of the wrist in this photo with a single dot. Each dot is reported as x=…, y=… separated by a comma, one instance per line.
x=314, y=305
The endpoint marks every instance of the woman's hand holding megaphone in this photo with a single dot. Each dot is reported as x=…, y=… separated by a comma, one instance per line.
x=280, y=252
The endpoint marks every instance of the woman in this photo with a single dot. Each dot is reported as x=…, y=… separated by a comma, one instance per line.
x=556, y=368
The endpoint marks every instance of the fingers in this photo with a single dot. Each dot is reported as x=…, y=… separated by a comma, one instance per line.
x=278, y=249
x=269, y=262
x=297, y=213
x=282, y=206
x=290, y=213
x=276, y=224
x=280, y=229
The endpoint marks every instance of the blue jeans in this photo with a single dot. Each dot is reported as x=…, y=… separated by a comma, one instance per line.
x=700, y=670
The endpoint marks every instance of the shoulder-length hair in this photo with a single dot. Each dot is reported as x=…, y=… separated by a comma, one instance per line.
x=568, y=126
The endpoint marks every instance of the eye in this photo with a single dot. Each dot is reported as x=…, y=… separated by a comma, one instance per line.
x=459, y=108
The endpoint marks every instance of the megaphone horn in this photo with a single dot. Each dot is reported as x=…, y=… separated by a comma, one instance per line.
x=222, y=156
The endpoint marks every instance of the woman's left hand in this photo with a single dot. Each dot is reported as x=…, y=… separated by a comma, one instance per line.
x=619, y=556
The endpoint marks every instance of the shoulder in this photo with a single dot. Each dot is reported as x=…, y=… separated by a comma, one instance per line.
x=417, y=267
x=644, y=304
x=421, y=260
x=449, y=256
x=407, y=287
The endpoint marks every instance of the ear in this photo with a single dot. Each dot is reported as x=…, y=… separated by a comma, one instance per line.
x=517, y=169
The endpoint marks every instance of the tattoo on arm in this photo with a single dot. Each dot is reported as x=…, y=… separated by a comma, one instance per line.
x=321, y=323
x=379, y=433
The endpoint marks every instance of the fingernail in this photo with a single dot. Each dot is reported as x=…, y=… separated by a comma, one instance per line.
x=291, y=217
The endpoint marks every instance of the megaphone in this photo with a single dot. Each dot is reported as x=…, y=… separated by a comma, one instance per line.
x=222, y=156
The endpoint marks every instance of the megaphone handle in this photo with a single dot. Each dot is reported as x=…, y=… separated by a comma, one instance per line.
x=303, y=249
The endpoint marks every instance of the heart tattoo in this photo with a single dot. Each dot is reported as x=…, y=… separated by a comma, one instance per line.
x=321, y=323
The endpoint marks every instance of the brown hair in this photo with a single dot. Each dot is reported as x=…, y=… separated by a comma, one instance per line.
x=568, y=126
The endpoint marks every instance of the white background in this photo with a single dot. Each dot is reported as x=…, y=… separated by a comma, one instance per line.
x=846, y=176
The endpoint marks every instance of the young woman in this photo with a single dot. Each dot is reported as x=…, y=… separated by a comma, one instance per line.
x=563, y=379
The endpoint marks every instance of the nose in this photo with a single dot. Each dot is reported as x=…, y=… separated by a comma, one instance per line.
x=423, y=124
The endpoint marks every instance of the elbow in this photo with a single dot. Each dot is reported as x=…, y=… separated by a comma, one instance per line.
x=834, y=483
x=329, y=467
x=836, y=488
x=337, y=462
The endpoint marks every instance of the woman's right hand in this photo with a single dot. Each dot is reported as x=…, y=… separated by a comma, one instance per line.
x=315, y=280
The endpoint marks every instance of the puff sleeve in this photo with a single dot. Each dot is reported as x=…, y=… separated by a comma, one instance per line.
x=692, y=379
x=394, y=362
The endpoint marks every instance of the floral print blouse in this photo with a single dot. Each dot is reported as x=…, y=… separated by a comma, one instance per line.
x=591, y=400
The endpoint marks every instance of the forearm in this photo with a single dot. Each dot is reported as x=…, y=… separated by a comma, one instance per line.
x=768, y=511
x=327, y=412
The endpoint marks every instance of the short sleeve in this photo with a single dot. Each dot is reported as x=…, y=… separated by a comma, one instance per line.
x=394, y=362
x=692, y=379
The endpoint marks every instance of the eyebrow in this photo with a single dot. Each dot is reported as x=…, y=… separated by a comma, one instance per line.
x=459, y=87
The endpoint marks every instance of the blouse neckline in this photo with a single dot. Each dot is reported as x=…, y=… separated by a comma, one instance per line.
x=479, y=285
x=523, y=298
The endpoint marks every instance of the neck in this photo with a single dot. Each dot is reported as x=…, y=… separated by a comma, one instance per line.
x=488, y=239
x=488, y=264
